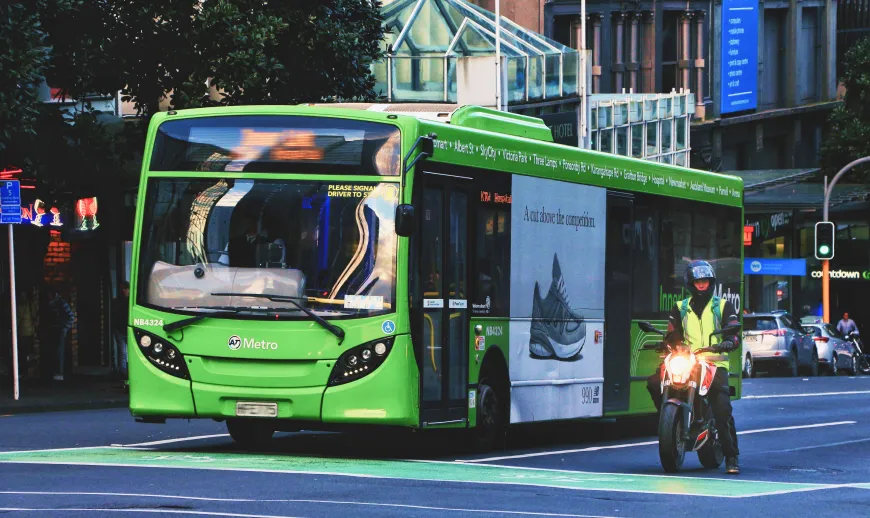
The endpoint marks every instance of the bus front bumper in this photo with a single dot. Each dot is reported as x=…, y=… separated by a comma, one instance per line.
x=387, y=396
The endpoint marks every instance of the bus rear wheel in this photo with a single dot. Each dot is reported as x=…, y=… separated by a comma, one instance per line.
x=250, y=434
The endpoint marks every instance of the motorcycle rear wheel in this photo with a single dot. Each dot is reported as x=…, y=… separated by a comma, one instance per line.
x=672, y=449
x=710, y=454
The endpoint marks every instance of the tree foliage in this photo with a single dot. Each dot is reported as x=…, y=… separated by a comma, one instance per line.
x=166, y=54
x=23, y=60
x=849, y=137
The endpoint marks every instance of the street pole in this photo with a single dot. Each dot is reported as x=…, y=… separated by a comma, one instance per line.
x=14, y=313
x=498, y=93
x=826, y=281
x=583, y=64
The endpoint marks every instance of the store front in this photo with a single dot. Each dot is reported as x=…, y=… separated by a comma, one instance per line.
x=63, y=245
x=772, y=268
x=849, y=270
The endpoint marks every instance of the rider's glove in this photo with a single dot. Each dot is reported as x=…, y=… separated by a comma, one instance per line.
x=727, y=346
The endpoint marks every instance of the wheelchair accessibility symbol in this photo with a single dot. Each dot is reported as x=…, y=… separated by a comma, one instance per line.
x=388, y=327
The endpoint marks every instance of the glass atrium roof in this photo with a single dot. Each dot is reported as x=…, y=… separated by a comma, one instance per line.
x=426, y=38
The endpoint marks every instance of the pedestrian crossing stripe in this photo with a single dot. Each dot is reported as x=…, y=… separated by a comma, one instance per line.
x=432, y=471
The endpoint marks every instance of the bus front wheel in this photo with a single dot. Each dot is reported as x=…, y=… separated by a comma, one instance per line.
x=250, y=434
x=491, y=430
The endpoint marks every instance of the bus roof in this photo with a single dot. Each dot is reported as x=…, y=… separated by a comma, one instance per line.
x=485, y=138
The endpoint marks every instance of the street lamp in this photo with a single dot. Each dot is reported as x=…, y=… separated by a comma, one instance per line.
x=826, y=280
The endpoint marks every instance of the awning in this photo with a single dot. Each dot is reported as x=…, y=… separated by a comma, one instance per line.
x=806, y=196
x=787, y=189
x=757, y=180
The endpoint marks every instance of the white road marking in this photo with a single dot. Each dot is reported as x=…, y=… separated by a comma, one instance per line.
x=816, y=394
x=645, y=443
x=179, y=439
x=55, y=449
x=841, y=443
x=154, y=511
x=301, y=501
x=798, y=427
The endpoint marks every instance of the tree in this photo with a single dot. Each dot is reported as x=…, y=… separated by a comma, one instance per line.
x=289, y=52
x=166, y=54
x=849, y=137
x=23, y=60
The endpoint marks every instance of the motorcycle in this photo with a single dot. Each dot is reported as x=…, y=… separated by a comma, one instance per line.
x=861, y=359
x=686, y=421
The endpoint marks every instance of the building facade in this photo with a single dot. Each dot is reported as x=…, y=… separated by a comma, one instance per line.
x=763, y=74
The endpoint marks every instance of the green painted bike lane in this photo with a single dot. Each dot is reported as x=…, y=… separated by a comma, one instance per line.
x=410, y=470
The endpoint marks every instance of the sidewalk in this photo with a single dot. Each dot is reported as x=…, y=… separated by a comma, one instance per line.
x=74, y=393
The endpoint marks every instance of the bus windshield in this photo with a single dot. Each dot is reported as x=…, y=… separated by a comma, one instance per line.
x=207, y=242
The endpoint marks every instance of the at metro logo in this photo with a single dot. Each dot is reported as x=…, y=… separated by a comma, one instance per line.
x=250, y=343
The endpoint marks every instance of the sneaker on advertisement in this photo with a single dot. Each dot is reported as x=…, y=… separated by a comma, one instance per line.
x=556, y=330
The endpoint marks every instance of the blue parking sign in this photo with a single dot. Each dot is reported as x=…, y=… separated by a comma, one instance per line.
x=10, y=201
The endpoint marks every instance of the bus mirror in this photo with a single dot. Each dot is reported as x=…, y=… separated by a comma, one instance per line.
x=427, y=146
x=405, y=220
x=427, y=149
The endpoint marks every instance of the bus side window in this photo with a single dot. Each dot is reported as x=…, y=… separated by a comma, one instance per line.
x=492, y=269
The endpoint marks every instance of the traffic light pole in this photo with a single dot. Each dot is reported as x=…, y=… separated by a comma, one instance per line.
x=826, y=280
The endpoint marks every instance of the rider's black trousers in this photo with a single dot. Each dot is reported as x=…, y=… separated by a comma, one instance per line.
x=719, y=398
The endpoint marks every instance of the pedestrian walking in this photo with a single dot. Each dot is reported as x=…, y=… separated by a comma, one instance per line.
x=59, y=320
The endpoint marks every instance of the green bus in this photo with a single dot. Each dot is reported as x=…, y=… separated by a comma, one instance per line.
x=331, y=267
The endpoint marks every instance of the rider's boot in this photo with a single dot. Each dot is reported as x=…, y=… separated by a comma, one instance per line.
x=731, y=466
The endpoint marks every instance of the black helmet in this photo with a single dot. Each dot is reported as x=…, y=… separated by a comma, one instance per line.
x=699, y=270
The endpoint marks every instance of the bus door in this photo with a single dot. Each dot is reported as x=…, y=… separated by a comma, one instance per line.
x=442, y=320
x=617, y=301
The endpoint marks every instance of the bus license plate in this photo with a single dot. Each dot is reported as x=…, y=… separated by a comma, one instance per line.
x=251, y=409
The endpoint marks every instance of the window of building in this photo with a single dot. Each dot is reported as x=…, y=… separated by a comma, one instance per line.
x=810, y=70
x=773, y=79
x=670, y=51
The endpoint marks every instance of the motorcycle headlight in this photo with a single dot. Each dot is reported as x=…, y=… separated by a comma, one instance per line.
x=679, y=365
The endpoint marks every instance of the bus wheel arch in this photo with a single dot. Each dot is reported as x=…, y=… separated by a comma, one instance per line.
x=493, y=403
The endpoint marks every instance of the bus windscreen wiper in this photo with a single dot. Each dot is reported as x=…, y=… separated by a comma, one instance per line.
x=168, y=328
x=334, y=329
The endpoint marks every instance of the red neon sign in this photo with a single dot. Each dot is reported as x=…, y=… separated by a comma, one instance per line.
x=747, y=235
x=86, y=210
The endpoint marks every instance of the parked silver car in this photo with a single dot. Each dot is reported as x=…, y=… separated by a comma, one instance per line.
x=775, y=341
x=835, y=353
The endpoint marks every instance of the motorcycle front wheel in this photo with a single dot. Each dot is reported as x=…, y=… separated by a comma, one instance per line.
x=672, y=449
x=710, y=454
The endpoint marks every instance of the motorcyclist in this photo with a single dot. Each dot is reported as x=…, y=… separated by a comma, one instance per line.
x=685, y=325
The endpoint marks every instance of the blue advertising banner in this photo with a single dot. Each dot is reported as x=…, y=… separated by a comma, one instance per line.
x=739, y=58
x=753, y=266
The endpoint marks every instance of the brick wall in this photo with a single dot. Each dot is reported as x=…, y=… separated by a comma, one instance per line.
x=57, y=270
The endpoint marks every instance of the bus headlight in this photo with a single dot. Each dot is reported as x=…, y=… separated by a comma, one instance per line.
x=161, y=354
x=360, y=361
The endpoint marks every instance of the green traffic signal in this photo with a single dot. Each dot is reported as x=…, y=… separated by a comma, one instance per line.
x=824, y=237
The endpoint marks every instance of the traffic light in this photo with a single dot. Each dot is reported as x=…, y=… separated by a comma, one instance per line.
x=825, y=231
